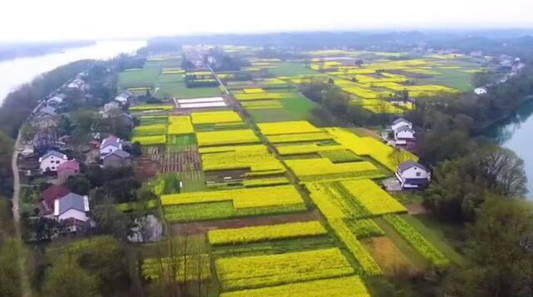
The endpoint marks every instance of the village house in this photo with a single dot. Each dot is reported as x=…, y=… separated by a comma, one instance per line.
x=51, y=161
x=401, y=122
x=72, y=211
x=55, y=101
x=66, y=170
x=117, y=158
x=78, y=84
x=403, y=135
x=109, y=145
x=412, y=175
x=480, y=91
x=50, y=195
x=124, y=97
x=403, y=132
x=47, y=111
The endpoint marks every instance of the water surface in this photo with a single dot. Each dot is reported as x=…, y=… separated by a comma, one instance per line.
x=22, y=70
x=516, y=133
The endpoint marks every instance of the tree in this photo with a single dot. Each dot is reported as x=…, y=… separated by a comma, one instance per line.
x=110, y=220
x=78, y=184
x=500, y=252
x=504, y=171
x=10, y=282
x=67, y=279
x=358, y=115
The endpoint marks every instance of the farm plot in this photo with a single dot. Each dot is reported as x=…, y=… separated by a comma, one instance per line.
x=227, y=116
x=367, y=146
x=180, y=125
x=133, y=78
x=257, y=160
x=243, y=136
x=321, y=169
x=372, y=197
x=265, y=233
x=294, y=127
x=269, y=270
x=351, y=286
x=183, y=268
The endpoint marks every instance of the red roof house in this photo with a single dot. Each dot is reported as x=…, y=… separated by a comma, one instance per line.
x=51, y=194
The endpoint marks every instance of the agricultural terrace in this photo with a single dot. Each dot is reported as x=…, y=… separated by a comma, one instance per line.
x=282, y=207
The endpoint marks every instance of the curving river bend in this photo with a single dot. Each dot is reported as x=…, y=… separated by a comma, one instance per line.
x=22, y=70
x=516, y=133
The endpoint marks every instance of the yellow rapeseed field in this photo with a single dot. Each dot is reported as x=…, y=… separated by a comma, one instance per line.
x=211, y=117
x=226, y=137
x=293, y=127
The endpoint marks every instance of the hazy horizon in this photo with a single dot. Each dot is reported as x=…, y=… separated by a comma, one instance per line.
x=57, y=20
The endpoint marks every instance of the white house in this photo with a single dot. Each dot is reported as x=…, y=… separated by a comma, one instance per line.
x=401, y=122
x=72, y=211
x=55, y=101
x=109, y=145
x=412, y=175
x=124, y=97
x=51, y=160
x=78, y=84
x=480, y=91
x=404, y=134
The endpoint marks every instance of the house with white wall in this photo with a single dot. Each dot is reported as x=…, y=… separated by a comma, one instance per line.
x=50, y=161
x=401, y=122
x=413, y=175
x=109, y=145
x=72, y=210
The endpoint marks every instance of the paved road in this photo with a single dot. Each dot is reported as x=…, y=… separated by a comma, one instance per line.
x=25, y=282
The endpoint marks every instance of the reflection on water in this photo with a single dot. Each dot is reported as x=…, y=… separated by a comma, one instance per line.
x=516, y=133
x=21, y=70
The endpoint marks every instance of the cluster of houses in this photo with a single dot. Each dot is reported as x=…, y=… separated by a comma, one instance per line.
x=513, y=66
x=57, y=202
x=409, y=174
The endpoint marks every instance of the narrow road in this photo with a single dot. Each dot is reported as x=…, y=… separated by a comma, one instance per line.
x=24, y=280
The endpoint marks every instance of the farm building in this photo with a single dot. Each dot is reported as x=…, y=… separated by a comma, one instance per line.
x=480, y=91
x=109, y=145
x=51, y=161
x=67, y=169
x=399, y=123
x=124, y=97
x=50, y=195
x=72, y=211
x=412, y=175
x=117, y=158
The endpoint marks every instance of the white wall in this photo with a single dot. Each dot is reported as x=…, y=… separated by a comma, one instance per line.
x=415, y=172
x=397, y=126
x=73, y=213
x=405, y=135
x=51, y=162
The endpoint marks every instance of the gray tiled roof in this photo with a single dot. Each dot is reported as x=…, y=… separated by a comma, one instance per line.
x=71, y=201
x=408, y=164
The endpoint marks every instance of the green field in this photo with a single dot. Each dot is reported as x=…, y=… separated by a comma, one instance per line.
x=454, y=78
x=291, y=69
x=180, y=90
x=145, y=77
x=294, y=109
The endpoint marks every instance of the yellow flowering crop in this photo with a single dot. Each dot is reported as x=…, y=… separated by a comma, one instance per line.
x=355, y=247
x=323, y=169
x=293, y=127
x=351, y=286
x=210, y=117
x=298, y=149
x=265, y=233
x=300, y=137
x=261, y=96
x=267, y=104
x=367, y=146
x=268, y=270
x=151, y=107
x=321, y=198
x=266, y=181
x=373, y=197
x=258, y=197
x=226, y=137
x=255, y=159
x=150, y=140
x=253, y=90
x=180, y=125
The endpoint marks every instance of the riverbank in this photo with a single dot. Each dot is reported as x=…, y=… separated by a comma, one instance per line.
x=513, y=110
x=12, y=51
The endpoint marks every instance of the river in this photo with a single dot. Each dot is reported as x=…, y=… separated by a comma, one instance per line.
x=516, y=134
x=22, y=70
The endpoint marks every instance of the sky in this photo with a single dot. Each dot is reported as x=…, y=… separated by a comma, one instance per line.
x=51, y=20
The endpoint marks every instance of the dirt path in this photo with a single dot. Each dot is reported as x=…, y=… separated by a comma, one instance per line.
x=25, y=282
